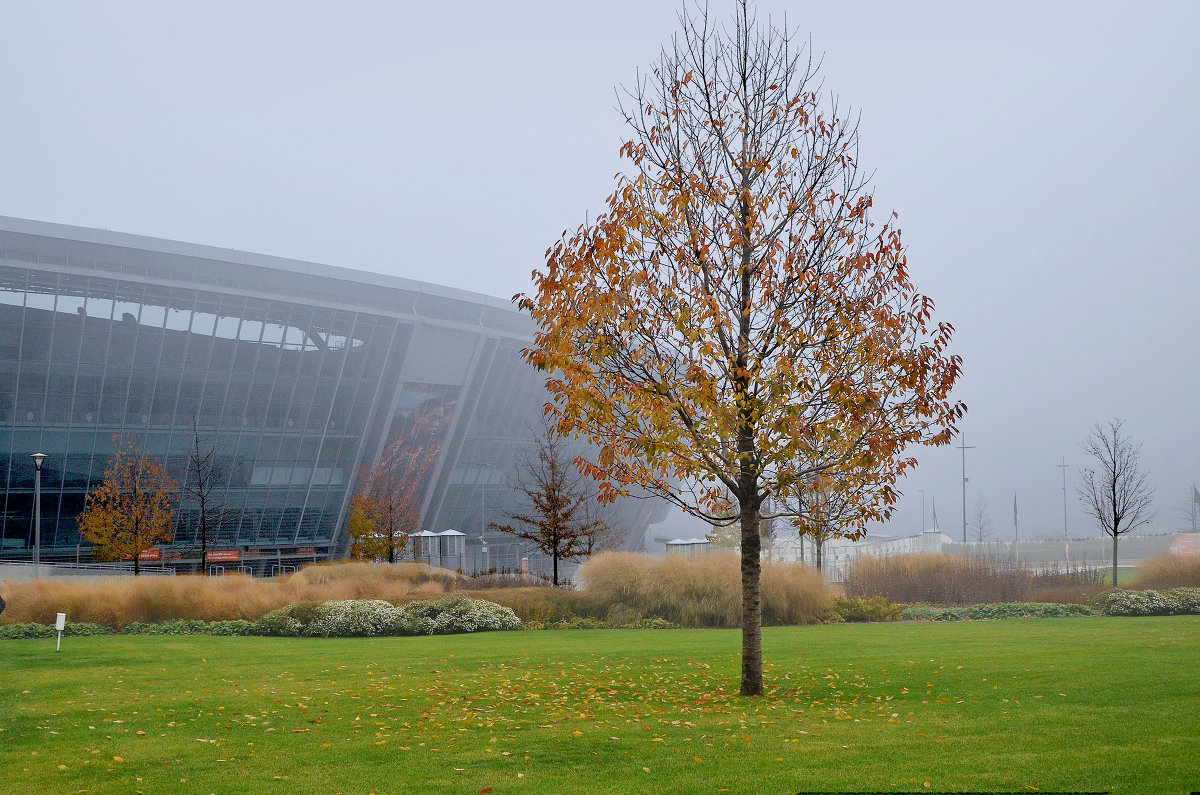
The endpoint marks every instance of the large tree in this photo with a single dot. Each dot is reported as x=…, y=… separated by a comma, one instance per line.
x=1115, y=491
x=132, y=509
x=735, y=322
x=559, y=509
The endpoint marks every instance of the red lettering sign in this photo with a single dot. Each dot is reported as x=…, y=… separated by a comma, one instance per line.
x=223, y=556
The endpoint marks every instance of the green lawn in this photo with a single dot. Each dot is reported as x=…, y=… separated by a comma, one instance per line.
x=1053, y=704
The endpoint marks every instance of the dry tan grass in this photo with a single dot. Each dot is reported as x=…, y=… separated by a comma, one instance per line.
x=703, y=591
x=538, y=603
x=938, y=579
x=695, y=592
x=1168, y=571
x=119, y=601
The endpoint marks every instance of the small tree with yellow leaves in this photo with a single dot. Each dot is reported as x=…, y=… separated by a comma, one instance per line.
x=132, y=509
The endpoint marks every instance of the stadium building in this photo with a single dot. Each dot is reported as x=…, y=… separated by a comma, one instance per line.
x=297, y=374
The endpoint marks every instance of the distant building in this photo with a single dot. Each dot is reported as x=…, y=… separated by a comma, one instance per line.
x=297, y=373
x=689, y=547
x=1186, y=544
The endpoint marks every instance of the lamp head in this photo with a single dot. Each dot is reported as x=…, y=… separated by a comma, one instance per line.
x=38, y=458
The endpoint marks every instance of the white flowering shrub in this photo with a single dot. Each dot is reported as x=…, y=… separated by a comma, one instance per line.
x=455, y=614
x=374, y=617
x=354, y=618
x=1175, y=602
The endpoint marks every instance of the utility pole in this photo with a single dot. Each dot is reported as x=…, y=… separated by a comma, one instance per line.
x=1016, y=531
x=963, y=446
x=1066, y=541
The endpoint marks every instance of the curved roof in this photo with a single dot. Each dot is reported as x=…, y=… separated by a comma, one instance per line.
x=152, y=259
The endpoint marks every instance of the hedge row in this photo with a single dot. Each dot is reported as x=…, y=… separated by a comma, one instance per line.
x=348, y=618
x=995, y=611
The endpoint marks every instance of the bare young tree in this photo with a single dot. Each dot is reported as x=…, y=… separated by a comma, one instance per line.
x=980, y=519
x=561, y=516
x=821, y=508
x=1115, y=492
x=204, y=475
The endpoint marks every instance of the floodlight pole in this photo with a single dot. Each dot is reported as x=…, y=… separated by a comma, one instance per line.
x=963, y=446
x=1066, y=541
x=38, y=458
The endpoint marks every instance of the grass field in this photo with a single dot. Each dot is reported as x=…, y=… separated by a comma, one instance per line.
x=1054, y=704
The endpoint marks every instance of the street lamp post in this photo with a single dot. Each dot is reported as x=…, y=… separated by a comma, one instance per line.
x=38, y=458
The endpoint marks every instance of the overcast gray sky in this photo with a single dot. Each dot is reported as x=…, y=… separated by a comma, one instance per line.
x=1043, y=157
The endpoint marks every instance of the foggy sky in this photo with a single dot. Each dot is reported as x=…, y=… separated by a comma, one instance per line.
x=1044, y=160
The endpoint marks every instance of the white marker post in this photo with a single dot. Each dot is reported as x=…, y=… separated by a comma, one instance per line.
x=60, y=624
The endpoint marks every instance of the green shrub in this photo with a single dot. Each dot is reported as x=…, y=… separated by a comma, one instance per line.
x=34, y=630
x=20, y=631
x=174, y=626
x=237, y=628
x=855, y=610
x=578, y=622
x=922, y=612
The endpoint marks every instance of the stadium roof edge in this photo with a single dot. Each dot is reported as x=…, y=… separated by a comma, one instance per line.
x=107, y=237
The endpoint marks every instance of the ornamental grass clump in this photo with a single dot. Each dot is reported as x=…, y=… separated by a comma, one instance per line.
x=704, y=591
x=948, y=580
x=1168, y=571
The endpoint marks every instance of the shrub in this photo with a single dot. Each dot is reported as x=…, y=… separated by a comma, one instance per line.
x=995, y=611
x=454, y=614
x=852, y=609
x=290, y=621
x=1168, y=571
x=703, y=591
x=175, y=626
x=543, y=605
x=1177, y=601
x=235, y=628
x=19, y=631
x=352, y=618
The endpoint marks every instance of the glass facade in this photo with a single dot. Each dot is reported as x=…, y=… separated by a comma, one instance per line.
x=296, y=374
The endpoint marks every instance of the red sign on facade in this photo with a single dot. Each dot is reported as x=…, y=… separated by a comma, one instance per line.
x=152, y=555
x=223, y=556
x=306, y=550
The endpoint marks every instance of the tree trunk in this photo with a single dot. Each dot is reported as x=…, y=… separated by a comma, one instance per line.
x=752, y=670
x=1115, y=537
x=820, y=554
x=555, y=557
